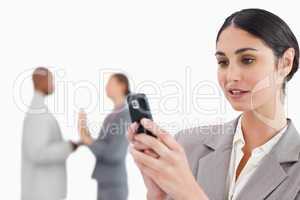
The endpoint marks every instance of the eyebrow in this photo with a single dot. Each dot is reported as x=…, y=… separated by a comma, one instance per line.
x=238, y=51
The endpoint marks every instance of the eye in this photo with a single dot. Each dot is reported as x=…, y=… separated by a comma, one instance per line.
x=248, y=60
x=223, y=63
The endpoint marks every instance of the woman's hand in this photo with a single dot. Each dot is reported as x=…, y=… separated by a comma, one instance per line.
x=154, y=192
x=169, y=170
x=84, y=134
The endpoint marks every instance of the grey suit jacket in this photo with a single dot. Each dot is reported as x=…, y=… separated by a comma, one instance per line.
x=110, y=150
x=208, y=149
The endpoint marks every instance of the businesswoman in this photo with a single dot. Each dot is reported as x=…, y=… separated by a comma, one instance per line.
x=255, y=156
x=110, y=148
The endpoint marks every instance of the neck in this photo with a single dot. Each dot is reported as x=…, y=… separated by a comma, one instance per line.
x=118, y=101
x=40, y=93
x=261, y=124
x=38, y=100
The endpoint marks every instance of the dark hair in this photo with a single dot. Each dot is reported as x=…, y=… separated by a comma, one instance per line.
x=122, y=78
x=268, y=27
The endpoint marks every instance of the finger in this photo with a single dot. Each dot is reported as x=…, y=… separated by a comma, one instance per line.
x=170, y=142
x=82, y=122
x=139, y=146
x=147, y=172
x=80, y=118
x=153, y=143
x=146, y=160
x=150, y=173
x=132, y=131
x=143, y=148
x=82, y=115
x=165, y=137
x=139, y=165
x=151, y=126
x=151, y=153
x=142, y=167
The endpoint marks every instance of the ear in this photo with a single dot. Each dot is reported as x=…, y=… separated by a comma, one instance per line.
x=286, y=64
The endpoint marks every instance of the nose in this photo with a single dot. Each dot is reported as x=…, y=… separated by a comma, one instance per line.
x=233, y=73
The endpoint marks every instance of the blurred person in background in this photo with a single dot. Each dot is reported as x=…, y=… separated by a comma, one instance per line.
x=44, y=151
x=110, y=148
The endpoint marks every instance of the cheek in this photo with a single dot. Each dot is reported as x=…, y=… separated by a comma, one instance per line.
x=261, y=80
x=46, y=85
x=222, y=79
x=262, y=73
x=112, y=89
x=263, y=90
x=108, y=89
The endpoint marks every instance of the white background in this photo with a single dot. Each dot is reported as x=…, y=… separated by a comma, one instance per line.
x=160, y=44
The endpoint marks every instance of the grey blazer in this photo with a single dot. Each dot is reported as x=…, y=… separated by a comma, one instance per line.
x=110, y=150
x=208, y=149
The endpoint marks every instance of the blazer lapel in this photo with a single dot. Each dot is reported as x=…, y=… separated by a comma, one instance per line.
x=213, y=168
x=212, y=173
x=265, y=179
x=270, y=174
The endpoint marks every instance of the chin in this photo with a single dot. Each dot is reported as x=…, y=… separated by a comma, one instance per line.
x=49, y=92
x=109, y=96
x=240, y=107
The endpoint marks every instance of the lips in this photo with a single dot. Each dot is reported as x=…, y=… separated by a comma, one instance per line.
x=237, y=92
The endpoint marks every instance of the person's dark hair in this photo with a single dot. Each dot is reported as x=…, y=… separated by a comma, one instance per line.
x=268, y=27
x=122, y=78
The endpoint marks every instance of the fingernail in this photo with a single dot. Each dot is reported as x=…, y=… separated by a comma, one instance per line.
x=145, y=120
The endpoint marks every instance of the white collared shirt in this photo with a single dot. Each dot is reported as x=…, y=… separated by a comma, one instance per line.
x=235, y=186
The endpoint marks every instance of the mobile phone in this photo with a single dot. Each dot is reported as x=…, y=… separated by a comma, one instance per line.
x=139, y=108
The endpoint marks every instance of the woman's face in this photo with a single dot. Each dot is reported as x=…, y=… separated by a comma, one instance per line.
x=247, y=70
x=113, y=88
